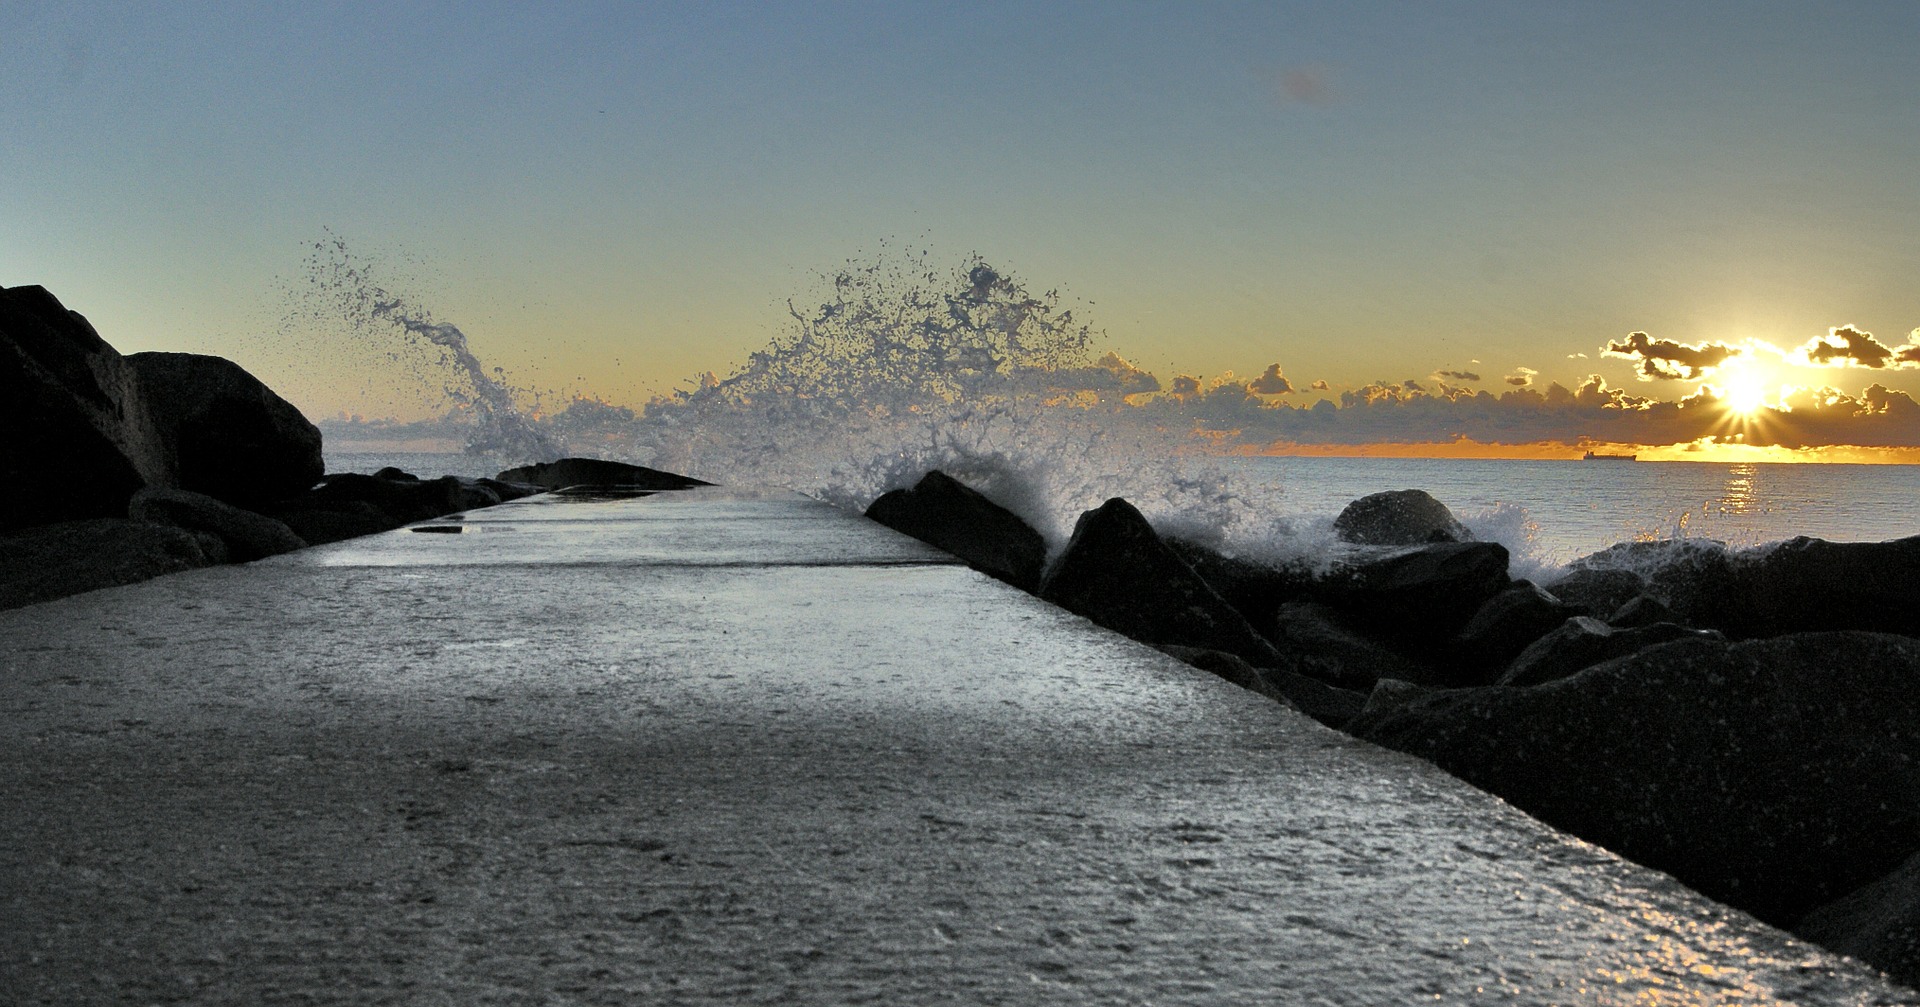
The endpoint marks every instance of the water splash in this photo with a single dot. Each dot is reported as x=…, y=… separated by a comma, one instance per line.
x=349, y=293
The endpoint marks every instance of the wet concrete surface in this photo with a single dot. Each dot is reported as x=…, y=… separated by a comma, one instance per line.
x=736, y=748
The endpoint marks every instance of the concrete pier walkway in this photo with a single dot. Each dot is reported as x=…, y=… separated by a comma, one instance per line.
x=719, y=747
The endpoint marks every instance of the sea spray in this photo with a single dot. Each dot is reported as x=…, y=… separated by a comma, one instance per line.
x=345, y=291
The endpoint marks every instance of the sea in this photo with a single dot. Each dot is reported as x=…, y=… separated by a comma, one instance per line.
x=1548, y=512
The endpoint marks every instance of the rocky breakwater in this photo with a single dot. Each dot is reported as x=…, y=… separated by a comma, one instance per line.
x=1745, y=720
x=129, y=467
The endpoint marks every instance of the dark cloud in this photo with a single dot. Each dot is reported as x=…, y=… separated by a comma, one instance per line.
x=1849, y=346
x=1319, y=386
x=1455, y=376
x=1668, y=360
x=1521, y=377
x=1111, y=375
x=1185, y=386
x=1270, y=382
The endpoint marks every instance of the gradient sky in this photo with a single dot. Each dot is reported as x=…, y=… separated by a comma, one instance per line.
x=611, y=198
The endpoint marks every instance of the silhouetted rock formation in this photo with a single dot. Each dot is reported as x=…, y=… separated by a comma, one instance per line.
x=230, y=436
x=947, y=514
x=350, y=504
x=55, y=560
x=1775, y=775
x=1117, y=572
x=245, y=534
x=74, y=424
x=1399, y=517
x=595, y=472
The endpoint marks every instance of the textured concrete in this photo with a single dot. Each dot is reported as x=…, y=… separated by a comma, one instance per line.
x=723, y=748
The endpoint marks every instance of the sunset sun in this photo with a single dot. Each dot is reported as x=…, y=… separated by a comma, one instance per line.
x=1744, y=394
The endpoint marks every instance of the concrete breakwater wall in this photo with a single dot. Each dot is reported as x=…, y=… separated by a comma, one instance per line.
x=719, y=746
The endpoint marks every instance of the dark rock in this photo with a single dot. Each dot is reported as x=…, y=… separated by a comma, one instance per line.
x=320, y=524
x=1640, y=610
x=1319, y=646
x=1229, y=667
x=1878, y=923
x=1255, y=590
x=404, y=500
x=76, y=438
x=1598, y=591
x=1330, y=705
x=1503, y=627
x=1773, y=775
x=510, y=490
x=1418, y=598
x=1117, y=572
x=246, y=535
x=1399, y=517
x=950, y=515
x=230, y=435
x=390, y=472
x=1582, y=642
x=595, y=472
x=1695, y=578
x=52, y=561
x=1390, y=695
x=1808, y=584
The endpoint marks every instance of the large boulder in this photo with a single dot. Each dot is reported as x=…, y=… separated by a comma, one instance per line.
x=1582, y=642
x=1322, y=647
x=1117, y=572
x=247, y=536
x=1417, y=599
x=1256, y=590
x=76, y=438
x=1697, y=579
x=1399, y=517
x=596, y=472
x=1808, y=584
x=1598, y=591
x=55, y=560
x=1878, y=923
x=948, y=514
x=231, y=437
x=1774, y=775
x=1511, y=620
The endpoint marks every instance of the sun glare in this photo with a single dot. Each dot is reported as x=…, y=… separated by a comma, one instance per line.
x=1744, y=394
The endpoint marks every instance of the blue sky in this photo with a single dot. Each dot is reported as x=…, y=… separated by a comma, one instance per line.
x=1357, y=192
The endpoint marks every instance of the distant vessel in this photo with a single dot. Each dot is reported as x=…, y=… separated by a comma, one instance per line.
x=1591, y=457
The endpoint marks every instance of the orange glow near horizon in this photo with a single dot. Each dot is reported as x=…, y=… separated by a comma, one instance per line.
x=1705, y=450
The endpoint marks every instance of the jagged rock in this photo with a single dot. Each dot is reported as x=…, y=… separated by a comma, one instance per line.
x=1598, y=591
x=947, y=514
x=1399, y=517
x=395, y=473
x=55, y=560
x=246, y=535
x=74, y=424
x=1503, y=627
x=596, y=472
x=1582, y=642
x=1255, y=590
x=1417, y=599
x=230, y=435
x=1117, y=572
x=1773, y=775
x=1878, y=923
x=1319, y=646
x=1640, y=610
